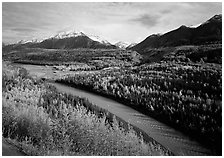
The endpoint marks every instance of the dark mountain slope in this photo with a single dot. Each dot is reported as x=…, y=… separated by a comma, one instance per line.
x=210, y=31
x=207, y=33
x=72, y=42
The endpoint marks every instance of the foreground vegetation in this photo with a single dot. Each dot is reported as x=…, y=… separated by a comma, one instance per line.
x=46, y=122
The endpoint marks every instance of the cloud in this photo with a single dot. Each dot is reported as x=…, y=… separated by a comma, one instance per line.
x=115, y=21
x=147, y=20
x=166, y=11
x=23, y=29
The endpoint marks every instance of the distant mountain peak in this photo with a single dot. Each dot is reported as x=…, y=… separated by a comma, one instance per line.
x=99, y=39
x=183, y=26
x=68, y=34
x=22, y=42
x=121, y=44
x=207, y=32
x=74, y=39
x=216, y=18
x=28, y=41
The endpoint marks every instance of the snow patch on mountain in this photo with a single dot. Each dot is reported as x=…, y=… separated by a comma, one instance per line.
x=28, y=41
x=68, y=34
x=195, y=26
x=99, y=39
x=122, y=45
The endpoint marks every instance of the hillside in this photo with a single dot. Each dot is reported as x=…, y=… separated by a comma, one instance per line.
x=207, y=33
x=73, y=42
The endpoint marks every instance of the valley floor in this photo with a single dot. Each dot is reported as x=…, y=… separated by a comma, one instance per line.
x=44, y=122
x=170, y=138
x=179, y=86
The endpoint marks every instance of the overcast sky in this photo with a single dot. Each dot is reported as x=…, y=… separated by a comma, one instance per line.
x=128, y=22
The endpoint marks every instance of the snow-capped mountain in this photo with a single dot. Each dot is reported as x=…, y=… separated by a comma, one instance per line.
x=28, y=41
x=75, y=39
x=68, y=40
x=99, y=39
x=68, y=34
x=22, y=42
x=122, y=45
x=208, y=32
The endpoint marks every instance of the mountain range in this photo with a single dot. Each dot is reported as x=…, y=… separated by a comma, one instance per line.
x=81, y=41
x=67, y=40
x=207, y=32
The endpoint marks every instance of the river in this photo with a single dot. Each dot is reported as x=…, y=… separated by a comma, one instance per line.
x=170, y=138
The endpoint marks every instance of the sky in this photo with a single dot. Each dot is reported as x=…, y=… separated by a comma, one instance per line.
x=114, y=21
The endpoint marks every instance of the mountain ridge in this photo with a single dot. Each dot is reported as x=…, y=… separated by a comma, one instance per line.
x=208, y=32
x=67, y=40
